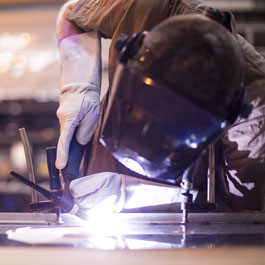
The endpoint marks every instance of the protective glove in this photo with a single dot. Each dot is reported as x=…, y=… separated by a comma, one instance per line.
x=79, y=109
x=112, y=192
x=103, y=191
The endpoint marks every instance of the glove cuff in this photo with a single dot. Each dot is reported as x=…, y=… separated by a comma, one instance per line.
x=81, y=59
x=76, y=87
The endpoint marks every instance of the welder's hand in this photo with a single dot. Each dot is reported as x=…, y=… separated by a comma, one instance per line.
x=103, y=191
x=79, y=108
x=65, y=28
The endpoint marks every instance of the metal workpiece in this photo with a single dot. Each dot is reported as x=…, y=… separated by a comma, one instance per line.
x=28, y=219
x=28, y=155
x=151, y=219
x=31, y=220
x=138, y=231
x=194, y=218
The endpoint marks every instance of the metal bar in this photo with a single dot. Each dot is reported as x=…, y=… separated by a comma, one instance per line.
x=176, y=218
x=257, y=218
x=27, y=218
x=211, y=176
x=25, y=141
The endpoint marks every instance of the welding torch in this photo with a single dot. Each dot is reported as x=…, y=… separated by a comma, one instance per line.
x=55, y=200
x=61, y=201
x=58, y=196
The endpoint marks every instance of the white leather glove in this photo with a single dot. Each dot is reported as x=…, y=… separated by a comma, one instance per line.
x=104, y=191
x=80, y=54
x=112, y=192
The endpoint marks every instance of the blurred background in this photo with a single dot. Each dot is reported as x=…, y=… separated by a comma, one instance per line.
x=29, y=83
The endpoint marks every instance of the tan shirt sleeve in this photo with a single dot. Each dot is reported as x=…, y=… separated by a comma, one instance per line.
x=101, y=15
x=114, y=17
x=108, y=15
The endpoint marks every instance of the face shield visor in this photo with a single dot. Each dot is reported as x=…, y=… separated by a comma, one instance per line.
x=153, y=130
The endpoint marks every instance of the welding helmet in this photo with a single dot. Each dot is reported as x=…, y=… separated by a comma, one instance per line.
x=172, y=95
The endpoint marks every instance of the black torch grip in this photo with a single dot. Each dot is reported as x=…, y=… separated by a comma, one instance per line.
x=55, y=183
x=74, y=160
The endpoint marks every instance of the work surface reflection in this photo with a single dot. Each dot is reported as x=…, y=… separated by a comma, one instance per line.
x=135, y=231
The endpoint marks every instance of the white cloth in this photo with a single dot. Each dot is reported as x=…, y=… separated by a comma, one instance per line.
x=80, y=91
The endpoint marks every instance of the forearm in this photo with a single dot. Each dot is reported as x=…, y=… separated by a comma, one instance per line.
x=80, y=54
x=81, y=61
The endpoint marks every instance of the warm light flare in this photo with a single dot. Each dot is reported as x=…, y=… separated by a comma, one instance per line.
x=148, y=81
x=25, y=38
x=20, y=61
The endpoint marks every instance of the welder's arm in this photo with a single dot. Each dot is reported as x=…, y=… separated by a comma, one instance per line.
x=80, y=54
x=114, y=192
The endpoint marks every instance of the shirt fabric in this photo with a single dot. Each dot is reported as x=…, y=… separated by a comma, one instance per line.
x=240, y=153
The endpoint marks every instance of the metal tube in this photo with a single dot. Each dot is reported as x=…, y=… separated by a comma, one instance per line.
x=25, y=141
x=211, y=176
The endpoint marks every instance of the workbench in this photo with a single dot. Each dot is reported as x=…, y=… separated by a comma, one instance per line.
x=130, y=238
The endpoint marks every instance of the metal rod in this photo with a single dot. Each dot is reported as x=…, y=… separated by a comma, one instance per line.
x=25, y=141
x=211, y=176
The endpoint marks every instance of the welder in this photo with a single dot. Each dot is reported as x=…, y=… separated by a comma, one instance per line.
x=192, y=55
